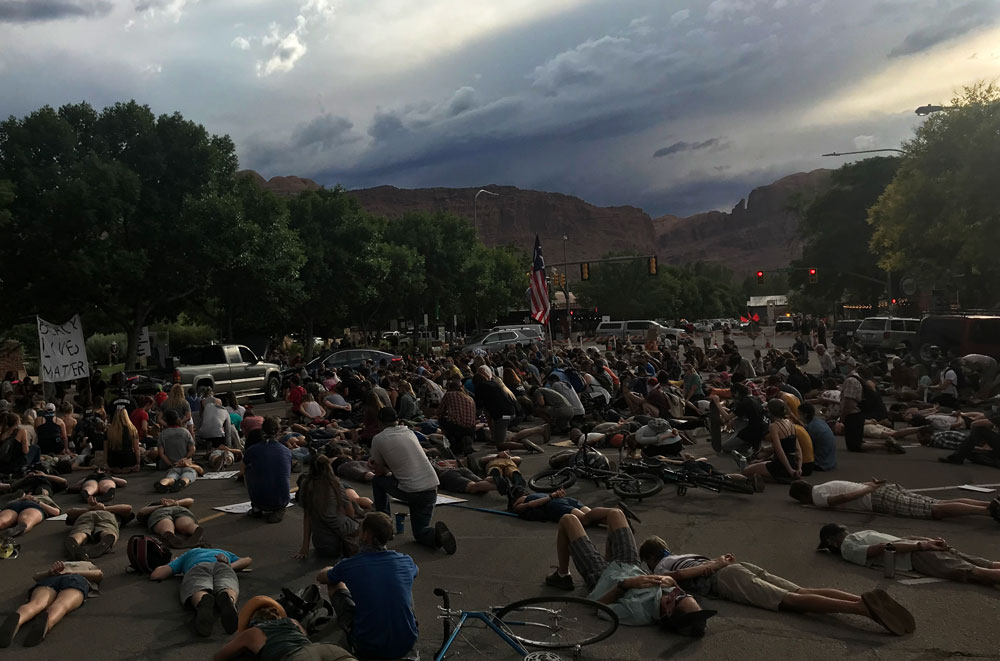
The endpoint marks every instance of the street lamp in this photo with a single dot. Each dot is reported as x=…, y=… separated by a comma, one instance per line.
x=569, y=321
x=475, y=215
x=923, y=111
x=864, y=151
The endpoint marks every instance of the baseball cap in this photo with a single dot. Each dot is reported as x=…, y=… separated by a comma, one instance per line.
x=50, y=407
x=825, y=533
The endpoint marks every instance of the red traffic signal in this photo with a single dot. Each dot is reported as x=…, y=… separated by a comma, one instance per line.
x=760, y=277
x=812, y=276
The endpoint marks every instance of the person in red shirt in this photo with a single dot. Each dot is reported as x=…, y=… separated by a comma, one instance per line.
x=295, y=394
x=140, y=417
x=160, y=397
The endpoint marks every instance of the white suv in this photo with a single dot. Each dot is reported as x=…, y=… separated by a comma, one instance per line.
x=887, y=333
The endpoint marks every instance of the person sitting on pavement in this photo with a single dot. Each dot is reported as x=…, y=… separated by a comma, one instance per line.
x=268, y=465
x=552, y=407
x=618, y=579
x=266, y=632
x=823, y=441
x=567, y=391
x=402, y=470
x=372, y=593
x=95, y=529
x=330, y=519
x=215, y=422
x=175, y=447
x=20, y=515
x=889, y=499
x=122, y=450
x=57, y=592
x=786, y=460
x=26, y=454
x=744, y=583
x=924, y=555
x=173, y=522
x=209, y=581
x=51, y=431
x=746, y=418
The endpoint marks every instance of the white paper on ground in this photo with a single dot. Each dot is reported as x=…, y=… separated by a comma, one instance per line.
x=222, y=475
x=442, y=500
x=921, y=581
x=241, y=508
x=973, y=487
x=60, y=517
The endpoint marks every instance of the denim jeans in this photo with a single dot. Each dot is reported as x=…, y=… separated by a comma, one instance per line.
x=978, y=436
x=421, y=505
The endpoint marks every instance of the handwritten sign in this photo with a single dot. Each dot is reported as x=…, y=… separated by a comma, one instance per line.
x=63, y=351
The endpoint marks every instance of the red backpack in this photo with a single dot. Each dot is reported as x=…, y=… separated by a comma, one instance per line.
x=146, y=553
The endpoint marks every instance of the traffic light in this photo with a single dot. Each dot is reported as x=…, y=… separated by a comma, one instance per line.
x=812, y=276
x=585, y=271
x=760, y=277
x=652, y=265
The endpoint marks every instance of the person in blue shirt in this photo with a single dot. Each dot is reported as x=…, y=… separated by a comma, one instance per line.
x=824, y=443
x=268, y=466
x=209, y=580
x=372, y=594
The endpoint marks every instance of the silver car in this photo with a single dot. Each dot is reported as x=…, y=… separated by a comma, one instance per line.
x=497, y=340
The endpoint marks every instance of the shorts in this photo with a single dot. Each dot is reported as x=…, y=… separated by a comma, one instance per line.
x=210, y=577
x=952, y=565
x=894, y=500
x=172, y=512
x=591, y=564
x=227, y=457
x=185, y=473
x=557, y=507
x=745, y=583
x=320, y=652
x=65, y=582
x=95, y=524
x=505, y=465
x=776, y=469
x=21, y=505
x=98, y=477
x=457, y=479
x=877, y=431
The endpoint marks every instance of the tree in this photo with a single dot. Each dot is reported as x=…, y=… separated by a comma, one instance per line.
x=837, y=236
x=939, y=217
x=105, y=208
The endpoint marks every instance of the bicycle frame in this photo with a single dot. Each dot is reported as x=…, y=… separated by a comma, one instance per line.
x=490, y=622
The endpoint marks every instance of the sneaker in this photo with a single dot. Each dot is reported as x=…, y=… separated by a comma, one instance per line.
x=893, y=447
x=16, y=531
x=9, y=629
x=546, y=433
x=503, y=486
x=160, y=487
x=73, y=549
x=740, y=460
x=103, y=545
x=444, y=539
x=205, y=615
x=532, y=447
x=36, y=629
x=274, y=516
x=557, y=580
x=227, y=613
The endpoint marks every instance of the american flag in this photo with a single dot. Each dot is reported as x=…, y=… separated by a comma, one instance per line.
x=538, y=291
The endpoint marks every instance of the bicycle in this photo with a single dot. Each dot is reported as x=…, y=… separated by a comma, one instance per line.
x=637, y=485
x=561, y=622
x=686, y=475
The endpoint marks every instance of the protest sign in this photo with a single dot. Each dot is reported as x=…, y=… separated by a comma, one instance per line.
x=63, y=351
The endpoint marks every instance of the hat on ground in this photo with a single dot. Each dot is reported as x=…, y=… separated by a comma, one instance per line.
x=255, y=604
x=826, y=533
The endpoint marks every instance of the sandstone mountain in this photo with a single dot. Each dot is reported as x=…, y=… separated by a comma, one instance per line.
x=760, y=232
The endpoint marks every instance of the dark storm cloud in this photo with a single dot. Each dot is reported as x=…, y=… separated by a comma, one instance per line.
x=29, y=11
x=959, y=21
x=324, y=132
x=680, y=146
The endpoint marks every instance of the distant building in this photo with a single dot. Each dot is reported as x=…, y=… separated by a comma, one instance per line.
x=768, y=307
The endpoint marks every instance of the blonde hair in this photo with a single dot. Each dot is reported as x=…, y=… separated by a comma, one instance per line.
x=176, y=399
x=120, y=426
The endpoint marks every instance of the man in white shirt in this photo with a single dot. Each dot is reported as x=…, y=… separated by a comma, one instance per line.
x=827, y=363
x=947, y=386
x=881, y=498
x=402, y=470
x=931, y=557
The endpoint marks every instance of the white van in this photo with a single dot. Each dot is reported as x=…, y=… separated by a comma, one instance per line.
x=635, y=330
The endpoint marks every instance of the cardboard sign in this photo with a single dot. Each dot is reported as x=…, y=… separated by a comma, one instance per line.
x=63, y=351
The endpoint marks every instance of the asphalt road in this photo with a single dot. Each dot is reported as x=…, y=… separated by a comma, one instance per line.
x=501, y=559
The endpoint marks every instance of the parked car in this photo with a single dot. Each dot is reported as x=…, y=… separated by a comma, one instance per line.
x=959, y=335
x=534, y=331
x=842, y=333
x=784, y=326
x=887, y=333
x=227, y=368
x=635, y=330
x=496, y=340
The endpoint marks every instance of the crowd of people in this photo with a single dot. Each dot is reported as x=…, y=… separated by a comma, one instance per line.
x=357, y=439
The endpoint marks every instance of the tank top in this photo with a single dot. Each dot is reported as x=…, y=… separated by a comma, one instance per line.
x=283, y=639
x=49, y=436
x=788, y=444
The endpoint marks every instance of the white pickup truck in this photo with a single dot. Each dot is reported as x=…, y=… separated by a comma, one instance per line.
x=227, y=368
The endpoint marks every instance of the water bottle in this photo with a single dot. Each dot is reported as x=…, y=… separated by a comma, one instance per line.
x=889, y=560
x=400, y=523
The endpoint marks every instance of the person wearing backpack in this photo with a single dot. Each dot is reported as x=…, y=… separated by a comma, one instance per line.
x=58, y=591
x=209, y=579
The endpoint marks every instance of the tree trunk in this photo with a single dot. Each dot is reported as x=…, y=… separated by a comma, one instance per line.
x=307, y=340
x=132, y=330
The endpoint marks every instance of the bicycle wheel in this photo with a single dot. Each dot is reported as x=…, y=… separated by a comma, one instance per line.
x=558, y=622
x=640, y=485
x=555, y=478
x=722, y=482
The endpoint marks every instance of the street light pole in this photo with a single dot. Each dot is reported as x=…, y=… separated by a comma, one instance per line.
x=475, y=215
x=923, y=111
x=569, y=326
x=864, y=151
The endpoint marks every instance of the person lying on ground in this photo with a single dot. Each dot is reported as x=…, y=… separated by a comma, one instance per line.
x=744, y=583
x=924, y=555
x=20, y=515
x=209, y=581
x=883, y=498
x=223, y=457
x=983, y=433
x=172, y=521
x=656, y=437
x=99, y=485
x=372, y=593
x=458, y=479
x=58, y=591
x=95, y=530
x=552, y=506
x=265, y=632
x=330, y=518
x=618, y=579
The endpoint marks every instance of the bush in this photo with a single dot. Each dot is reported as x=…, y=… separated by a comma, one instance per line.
x=99, y=346
x=185, y=333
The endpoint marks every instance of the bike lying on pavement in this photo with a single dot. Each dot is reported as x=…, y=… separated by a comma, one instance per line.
x=543, y=622
x=585, y=464
x=691, y=474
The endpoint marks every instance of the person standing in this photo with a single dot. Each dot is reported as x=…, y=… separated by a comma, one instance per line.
x=402, y=470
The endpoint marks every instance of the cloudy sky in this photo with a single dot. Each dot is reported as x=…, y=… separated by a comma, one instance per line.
x=673, y=106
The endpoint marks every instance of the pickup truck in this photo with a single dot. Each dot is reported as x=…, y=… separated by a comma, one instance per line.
x=227, y=368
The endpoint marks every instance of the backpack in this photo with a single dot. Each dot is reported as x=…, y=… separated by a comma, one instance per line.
x=575, y=379
x=146, y=553
x=591, y=458
x=307, y=606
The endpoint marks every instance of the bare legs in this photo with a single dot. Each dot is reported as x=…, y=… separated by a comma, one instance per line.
x=570, y=529
x=959, y=507
x=56, y=605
